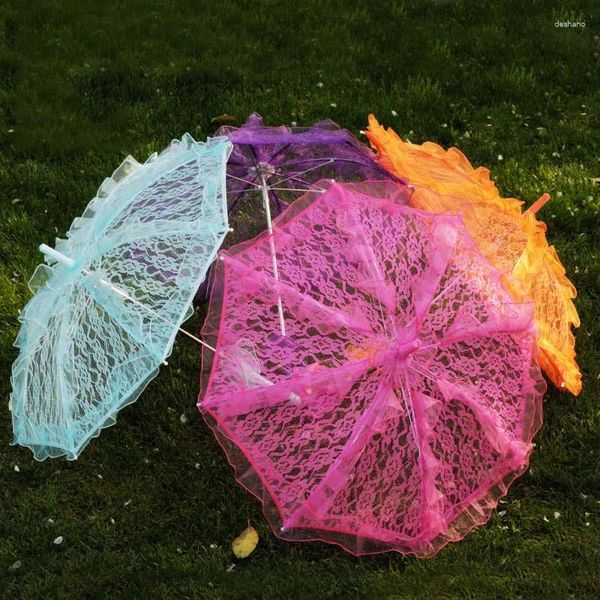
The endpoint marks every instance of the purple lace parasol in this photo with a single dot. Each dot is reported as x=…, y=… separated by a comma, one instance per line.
x=281, y=163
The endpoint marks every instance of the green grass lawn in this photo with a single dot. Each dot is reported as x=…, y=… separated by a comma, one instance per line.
x=151, y=507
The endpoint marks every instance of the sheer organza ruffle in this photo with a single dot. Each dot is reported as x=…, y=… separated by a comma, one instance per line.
x=514, y=241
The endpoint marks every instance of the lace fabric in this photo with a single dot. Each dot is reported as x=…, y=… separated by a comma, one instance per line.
x=291, y=159
x=95, y=333
x=402, y=399
x=512, y=240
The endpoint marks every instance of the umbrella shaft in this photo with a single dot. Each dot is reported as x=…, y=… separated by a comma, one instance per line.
x=69, y=262
x=265, y=196
x=156, y=314
x=57, y=256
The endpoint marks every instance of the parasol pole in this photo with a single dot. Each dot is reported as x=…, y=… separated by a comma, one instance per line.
x=265, y=197
x=70, y=263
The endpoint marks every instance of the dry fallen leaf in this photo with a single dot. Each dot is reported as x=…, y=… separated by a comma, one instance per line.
x=224, y=118
x=245, y=543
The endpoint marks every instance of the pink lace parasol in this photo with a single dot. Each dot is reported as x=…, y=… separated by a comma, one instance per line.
x=379, y=389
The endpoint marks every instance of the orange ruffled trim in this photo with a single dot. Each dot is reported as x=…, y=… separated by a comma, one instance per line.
x=513, y=241
x=447, y=172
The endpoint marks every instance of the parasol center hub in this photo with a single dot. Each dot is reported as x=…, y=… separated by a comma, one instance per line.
x=263, y=168
x=402, y=348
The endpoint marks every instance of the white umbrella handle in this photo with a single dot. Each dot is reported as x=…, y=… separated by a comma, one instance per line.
x=265, y=196
x=57, y=256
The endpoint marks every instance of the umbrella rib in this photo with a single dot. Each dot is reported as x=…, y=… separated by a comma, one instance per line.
x=380, y=277
x=420, y=440
x=313, y=188
x=408, y=403
x=488, y=419
x=243, y=190
x=444, y=291
x=59, y=365
x=246, y=181
x=484, y=414
x=281, y=205
x=433, y=274
x=276, y=153
x=328, y=161
x=150, y=310
x=306, y=160
x=239, y=192
x=410, y=410
x=429, y=491
x=428, y=374
x=294, y=178
x=321, y=498
x=476, y=335
x=241, y=402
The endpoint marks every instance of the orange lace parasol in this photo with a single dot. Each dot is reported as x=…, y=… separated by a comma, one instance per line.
x=513, y=241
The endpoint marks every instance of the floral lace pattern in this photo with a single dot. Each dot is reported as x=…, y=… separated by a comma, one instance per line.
x=94, y=334
x=404, y=395
x=513, y=241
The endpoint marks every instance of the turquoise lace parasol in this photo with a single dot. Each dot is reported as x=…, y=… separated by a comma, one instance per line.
x=109, y=300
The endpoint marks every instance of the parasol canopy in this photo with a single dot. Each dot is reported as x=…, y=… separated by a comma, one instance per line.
x=399, y=401
x=109, y=300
